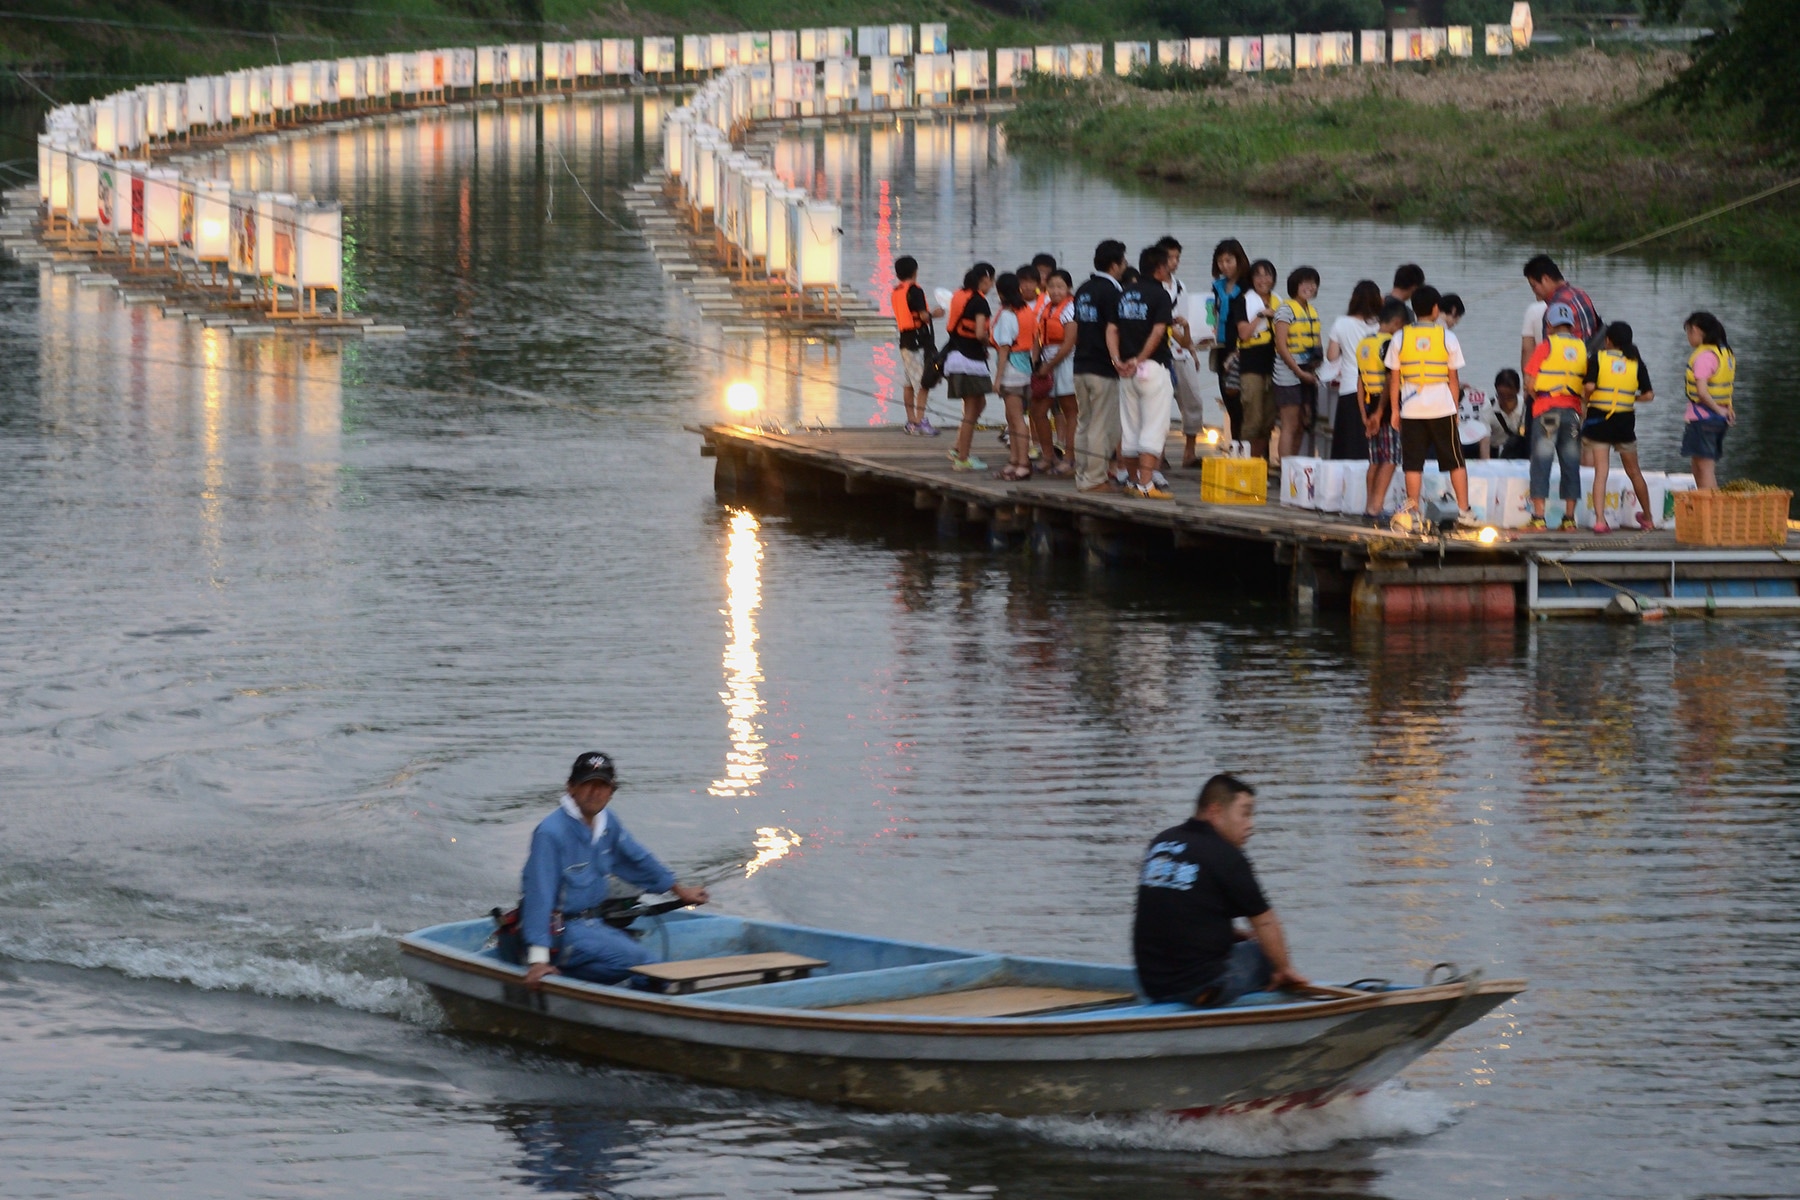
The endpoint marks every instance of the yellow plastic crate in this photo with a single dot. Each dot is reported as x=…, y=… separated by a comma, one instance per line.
x=1234, y=481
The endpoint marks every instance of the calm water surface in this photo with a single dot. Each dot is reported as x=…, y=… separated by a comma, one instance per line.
x=299, y=639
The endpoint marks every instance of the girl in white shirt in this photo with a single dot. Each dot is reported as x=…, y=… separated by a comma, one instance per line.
x=1361, y=321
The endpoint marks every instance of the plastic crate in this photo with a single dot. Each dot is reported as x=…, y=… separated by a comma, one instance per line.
x=1234, y=481
x=1709, y=517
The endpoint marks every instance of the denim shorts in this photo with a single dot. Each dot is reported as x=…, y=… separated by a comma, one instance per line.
x=1704, y=439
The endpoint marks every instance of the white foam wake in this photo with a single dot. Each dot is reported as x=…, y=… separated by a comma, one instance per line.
x=1388, y=1111
x=217, y=969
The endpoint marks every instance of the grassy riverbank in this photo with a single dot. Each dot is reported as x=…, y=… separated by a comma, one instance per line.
x=1563, y=150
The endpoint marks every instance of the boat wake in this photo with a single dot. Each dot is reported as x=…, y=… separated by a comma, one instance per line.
x=218, y=969
x=1389, y=1111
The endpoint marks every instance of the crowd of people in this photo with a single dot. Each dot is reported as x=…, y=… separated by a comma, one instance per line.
x=1091, y=377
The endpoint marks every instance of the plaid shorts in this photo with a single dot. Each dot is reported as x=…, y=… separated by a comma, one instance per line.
x=1384, y=447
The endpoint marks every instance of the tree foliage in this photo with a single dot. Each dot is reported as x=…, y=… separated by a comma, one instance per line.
x=1750, y=60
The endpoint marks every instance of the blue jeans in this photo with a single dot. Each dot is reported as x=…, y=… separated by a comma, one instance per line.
x=595, y=951
x=1246, y=970
x=1556, y=435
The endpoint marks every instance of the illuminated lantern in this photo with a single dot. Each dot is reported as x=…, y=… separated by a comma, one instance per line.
x=817, y=243
x=1278, y=52
x=160, y=225
x=237, y=95
x=1499, y=40
x=777, y=252
x=485, y=64
x=934, y=39
x=245, y=234
x=84, y=187
x=319, y=249
x=1307, y=48
x=1337, y=50
x=840, y=80
x=552, y=52
x=1203, y=53
x=200, y=101
x=784, y=46
x=704, y=179
x=757, y=185
x=1521, y=25
x=1084, y=60
x=1462, y=41
x=812, y=44
x=672, y=143
x=1374, y=45
x=1168, y=54
x=53, y=174
x=900, y=41
x=209, y=200
x=871, y=41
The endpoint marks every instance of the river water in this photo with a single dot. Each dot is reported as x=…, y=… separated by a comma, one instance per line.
x=299, y=640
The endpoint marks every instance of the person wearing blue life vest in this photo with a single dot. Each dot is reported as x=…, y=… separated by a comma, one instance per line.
x=574, y=851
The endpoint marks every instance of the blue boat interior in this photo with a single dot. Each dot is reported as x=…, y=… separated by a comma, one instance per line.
x=867, y=971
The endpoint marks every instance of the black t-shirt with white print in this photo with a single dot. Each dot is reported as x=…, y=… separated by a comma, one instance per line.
x=1193, y=886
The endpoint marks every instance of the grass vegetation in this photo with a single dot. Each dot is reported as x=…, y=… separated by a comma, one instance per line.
x=1573, y=149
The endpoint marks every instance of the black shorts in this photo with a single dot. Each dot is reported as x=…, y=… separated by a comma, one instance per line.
x=1620, y=429
x=1420, y=437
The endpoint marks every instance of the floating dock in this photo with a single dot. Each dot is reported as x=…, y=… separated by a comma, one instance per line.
x=1324, y=561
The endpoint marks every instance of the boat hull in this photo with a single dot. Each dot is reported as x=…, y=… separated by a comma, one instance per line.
x=1313, y=1063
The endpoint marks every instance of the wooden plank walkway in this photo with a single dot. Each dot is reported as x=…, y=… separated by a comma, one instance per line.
x=1325, y=554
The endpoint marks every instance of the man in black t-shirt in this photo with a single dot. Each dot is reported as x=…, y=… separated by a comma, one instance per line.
x=1096, y=382
x=1139, y=342
x=1195, y=883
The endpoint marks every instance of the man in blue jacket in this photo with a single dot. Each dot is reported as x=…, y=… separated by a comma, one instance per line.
x=573, y=852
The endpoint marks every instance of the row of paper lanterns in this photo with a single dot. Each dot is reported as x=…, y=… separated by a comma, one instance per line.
x=796, y=237
x=296, y=243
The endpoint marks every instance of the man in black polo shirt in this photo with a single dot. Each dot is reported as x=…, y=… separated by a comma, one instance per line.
x=1096, y=382
x=1195, y=883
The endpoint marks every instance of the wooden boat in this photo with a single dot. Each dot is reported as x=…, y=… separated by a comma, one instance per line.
x=904, y=1026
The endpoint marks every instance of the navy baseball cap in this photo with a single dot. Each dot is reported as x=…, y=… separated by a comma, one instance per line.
x=594, y=765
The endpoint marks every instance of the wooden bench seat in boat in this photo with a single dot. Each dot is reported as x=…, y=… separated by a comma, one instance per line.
x=733, y=970
x=1002, y=1001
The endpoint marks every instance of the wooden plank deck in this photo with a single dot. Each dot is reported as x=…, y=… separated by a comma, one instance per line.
x=1000, y=1001
x=1330, y=557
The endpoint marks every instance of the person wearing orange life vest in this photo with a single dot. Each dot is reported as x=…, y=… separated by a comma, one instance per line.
x=1617, y=382
x=1711, y=380
x=1053, y=415
x=1556, y=376
x=912, y=318
x=1014, y=334
x=1423, y=362
x=966, y=375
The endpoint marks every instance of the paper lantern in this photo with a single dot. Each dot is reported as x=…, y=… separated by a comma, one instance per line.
x=900, y=40
x=112, y=208
x=972, y=73
x=672, y=144
x=841, y=79
x=703, y=179
x=1203, y=53
x=43, y=164
x=757, y=184
x=53, y=178
x=1374, y=45
x=1168, y=54
x=762, y=89
x=752, y=48
x=160, y=223
x=886, y=86
x=278, y=219
x=552, y=62
x=839, y=42
x=1337, y=50
x=1129, y=57
x=784, y=46
x=485, y=63
x=871, y=40
x=319, y=246
x=1306, y=51
x=84, y=187
x=1521, y=25
x=300, y=86
x=1086, y=60
x=778, y=257
x=817, y=243
x=1499, y=40
x=723, y=48
x=934, y=39
x=1277, y=52
x=1462, y=41
x=243, y=233
x=209, y=201
x=691, y=57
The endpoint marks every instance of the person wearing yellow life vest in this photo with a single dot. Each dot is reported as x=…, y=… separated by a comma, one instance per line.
x=1253, y=315
x=1372, y=395
x=1617, y=382
x=1298, y=352
x=912, y=319
x=1711, y=380
x=1556, y=377
x=1423, y=362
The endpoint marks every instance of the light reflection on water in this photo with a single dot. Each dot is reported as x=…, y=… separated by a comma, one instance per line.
x=300, y=638
x=744, y=765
